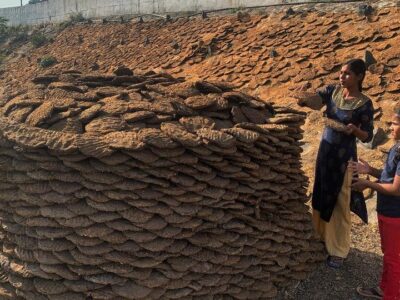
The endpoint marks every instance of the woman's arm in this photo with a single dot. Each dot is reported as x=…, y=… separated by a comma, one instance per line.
x=364, y=132
x=362, y=167
x=390, y=189
x=375, y=172
x=357, y=132
x=314, y=100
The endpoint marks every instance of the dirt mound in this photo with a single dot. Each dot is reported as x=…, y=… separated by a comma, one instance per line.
x=149, y=187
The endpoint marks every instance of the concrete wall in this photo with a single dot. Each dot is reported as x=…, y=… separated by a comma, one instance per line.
x=60, y=10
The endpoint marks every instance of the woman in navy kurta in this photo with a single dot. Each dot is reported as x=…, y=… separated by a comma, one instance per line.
x=332, y=197
x=337, y=148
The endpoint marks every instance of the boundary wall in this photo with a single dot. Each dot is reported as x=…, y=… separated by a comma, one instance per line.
x=60, y=10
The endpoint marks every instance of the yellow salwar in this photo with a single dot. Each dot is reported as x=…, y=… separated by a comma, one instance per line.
x=336, y=232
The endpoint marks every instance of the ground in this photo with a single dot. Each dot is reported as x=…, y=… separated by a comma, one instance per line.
x=362, y=267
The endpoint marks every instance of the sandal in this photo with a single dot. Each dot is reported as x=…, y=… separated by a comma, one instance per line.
x=334, y=261
x=374, y=292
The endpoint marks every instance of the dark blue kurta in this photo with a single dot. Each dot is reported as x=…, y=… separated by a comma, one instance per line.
x=336, y=149
x=387, y=205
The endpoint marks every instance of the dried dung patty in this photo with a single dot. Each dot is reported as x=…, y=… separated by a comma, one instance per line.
x=147, y=187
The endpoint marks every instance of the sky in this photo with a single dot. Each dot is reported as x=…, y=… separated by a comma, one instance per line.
x=10, y=3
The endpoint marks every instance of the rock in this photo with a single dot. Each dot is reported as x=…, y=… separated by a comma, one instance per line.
x=175, y=45
x=365, y=10
x=273, y=53
x=45, y=79
x=123, y=71
x=290, y=12
x=369, y=59
x=243, y=16
x=94, y=67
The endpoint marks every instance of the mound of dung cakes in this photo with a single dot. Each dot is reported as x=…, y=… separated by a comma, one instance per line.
x=144, y=186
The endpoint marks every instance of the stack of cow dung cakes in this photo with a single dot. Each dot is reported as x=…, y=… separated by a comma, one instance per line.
x=130, y=186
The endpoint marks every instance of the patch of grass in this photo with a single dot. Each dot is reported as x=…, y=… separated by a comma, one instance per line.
x=73, y=18
x=3, y=28
x=76, y=18
x=47, y=61
x=18, y=33
x=61, y=26
x=38, y=40
x=2, y=57
x=14, y=30
x=20, y=37
x=3, y=24
x=237, y=9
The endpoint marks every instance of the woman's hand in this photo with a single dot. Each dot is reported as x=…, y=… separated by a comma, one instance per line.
x=304, y=98
x=357, y=132
x=359, y=167
x=312, y=101
x=359, y=184
x=351, y=129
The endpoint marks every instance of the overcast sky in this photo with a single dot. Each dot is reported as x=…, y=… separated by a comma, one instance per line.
x=11, y=3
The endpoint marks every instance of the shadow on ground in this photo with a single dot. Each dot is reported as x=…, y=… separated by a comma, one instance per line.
x=360, y=268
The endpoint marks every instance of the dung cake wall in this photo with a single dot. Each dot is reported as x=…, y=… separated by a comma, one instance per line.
x=147, y=187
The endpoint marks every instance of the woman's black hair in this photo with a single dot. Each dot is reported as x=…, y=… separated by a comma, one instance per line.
x=357, y=66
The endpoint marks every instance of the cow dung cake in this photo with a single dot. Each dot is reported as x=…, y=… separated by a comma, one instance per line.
x=145, y=186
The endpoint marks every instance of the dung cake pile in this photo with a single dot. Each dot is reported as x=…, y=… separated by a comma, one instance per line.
x=131, y=186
